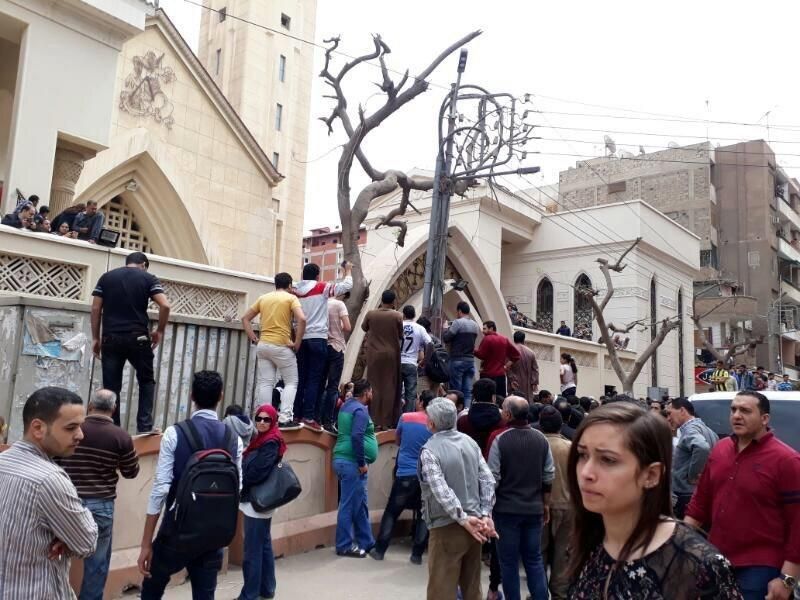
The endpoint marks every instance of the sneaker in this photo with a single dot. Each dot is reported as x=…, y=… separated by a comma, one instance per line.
x=312, y=425
x=375, y=554
x=331, y=429
x=290, y=425
x=352, y=552
x=415, y=560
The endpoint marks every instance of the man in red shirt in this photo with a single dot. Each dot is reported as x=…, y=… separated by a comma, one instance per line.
x=497, y=354
x=750, y=493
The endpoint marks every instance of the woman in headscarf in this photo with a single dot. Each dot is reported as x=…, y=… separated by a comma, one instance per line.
x=262, y=454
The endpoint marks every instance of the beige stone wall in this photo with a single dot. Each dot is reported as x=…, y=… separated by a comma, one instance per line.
x=226, y=193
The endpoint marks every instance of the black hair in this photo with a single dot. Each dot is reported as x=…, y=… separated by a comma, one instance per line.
x=545, y=394
x=206, y=389
x=563, y=407
x=459, y=397
x=33, y=199
x=45, y=404
x=490, y=325
x=483, y=390
x=463, y=308
x=360, y=387
x=409, y=312
x=763, y=401
x=425, y=397
x=568, y=357
x=425, y=322
x=44, y=209
x=585, y=403
x=234, y=409
x=519, y=337
x=679, y=403
x=283, y=281
x=388, y=297
x=534, y=411
x=137, y=258
x=310, y=271
x=550, y=420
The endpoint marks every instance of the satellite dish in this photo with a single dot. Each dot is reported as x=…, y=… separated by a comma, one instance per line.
x=673, y=145
x=625, y=154
x=611, y=146
x=641, y=150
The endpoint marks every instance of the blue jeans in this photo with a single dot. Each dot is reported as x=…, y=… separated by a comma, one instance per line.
x=330, y=385
x=520, y=537
x=311, y=368
x=462, y=372
x=353, y=516
x=95, y=567
x=753, y=581
x=408, y=375
x=258, y=566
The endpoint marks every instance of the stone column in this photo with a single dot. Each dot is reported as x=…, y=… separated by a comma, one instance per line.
x=67, y=168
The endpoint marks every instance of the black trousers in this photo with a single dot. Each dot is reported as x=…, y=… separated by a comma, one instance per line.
x=681, y=505
x=115, y=351
x=405, y=494
x=165, y=562
x=500, y=383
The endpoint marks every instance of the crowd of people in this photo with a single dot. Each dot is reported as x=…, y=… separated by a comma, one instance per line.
x=79, y=221
x=602, y=498
x=724, y=379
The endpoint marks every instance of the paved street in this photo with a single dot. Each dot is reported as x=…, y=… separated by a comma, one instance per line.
x=321, y=575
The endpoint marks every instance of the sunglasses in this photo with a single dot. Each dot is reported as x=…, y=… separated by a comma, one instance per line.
x=263, y=419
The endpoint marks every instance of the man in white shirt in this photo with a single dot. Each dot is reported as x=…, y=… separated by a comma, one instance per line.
x=415, y=338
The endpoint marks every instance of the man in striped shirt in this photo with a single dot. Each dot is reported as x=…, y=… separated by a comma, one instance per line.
x=42, y=520
x=104, y=450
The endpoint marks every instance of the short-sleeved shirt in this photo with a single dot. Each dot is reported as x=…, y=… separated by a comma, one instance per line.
x=126, y=292
x=336, y=312
x=276, y=309
x=414, y=338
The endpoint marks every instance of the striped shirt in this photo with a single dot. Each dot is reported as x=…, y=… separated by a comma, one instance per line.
x=104, y=450
x=39, y=504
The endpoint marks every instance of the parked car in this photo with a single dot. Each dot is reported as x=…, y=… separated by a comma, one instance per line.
x=715, y=409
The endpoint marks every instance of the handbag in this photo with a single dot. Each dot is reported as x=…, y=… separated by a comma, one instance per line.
x=281, y=487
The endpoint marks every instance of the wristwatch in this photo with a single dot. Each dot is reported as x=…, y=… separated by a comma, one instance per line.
x=788, y=581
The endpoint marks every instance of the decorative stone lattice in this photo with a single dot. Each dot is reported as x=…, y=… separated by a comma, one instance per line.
x=542, y=351
x=120, y=217
x=200, y=301
x=28, y=275
x=627, y=364
x=583, y=359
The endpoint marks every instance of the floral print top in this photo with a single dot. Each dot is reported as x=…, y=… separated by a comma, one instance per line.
x=686, y=567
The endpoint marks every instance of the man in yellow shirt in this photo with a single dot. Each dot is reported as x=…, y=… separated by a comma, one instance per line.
x=276, y=349
x=719, y=377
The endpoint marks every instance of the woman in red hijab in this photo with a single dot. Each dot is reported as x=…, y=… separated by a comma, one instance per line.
x=262, y=454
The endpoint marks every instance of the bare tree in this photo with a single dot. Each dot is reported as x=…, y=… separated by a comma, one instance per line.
x=607, y=328
x=734, y=348
x=397, y=95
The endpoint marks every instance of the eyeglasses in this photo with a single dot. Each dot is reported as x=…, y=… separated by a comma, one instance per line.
x=263, y=419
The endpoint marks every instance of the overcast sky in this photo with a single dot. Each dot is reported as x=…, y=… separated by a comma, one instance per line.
x=696, y=60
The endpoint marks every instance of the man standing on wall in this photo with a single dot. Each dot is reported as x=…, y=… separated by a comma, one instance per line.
x=105, y=450
x=523, y=376
x=415, y=338
x=120, y=302
x=497, y=355
x=313, y=355
x=384, y=327
x=461, y=336
x=338, y=326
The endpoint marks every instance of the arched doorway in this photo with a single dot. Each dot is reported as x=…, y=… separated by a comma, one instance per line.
x=544, y=305
x=583, y=313
x=120, y=217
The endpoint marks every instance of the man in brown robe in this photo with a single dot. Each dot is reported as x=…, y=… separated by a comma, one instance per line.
x=384, y=327
x=523, y=375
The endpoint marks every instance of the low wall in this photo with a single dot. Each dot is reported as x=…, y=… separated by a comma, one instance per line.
x=307, y=523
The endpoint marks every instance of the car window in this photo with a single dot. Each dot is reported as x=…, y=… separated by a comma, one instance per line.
x=784, y=416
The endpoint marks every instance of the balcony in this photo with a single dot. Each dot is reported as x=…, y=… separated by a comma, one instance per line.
x=790, y=291
x=788, y=252
x=787, y=214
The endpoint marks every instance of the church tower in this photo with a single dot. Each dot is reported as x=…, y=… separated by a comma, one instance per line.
x=252, y=50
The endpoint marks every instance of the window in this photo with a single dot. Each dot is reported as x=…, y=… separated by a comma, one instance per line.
x=275, y=159
x=286, y=21
x=218, y=61
x=544, y=305
x=617, y=186
x=708, y=258
x=278, y=116
x=282, y=68
x=223, y=13
x=583, y=308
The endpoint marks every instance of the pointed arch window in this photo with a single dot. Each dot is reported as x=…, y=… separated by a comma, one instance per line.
x=120, y=217
x=544, y=305
x=583, y=309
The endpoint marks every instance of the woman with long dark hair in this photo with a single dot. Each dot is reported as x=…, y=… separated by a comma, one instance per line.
x=569, y=375
x=625, y=542
x=262, y=454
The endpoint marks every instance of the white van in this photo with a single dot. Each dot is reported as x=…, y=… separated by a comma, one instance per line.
x=715, y=407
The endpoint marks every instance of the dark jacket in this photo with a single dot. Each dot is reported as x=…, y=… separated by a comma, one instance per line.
x=12, y=220
x=257, y=466
x=461, y=336
x=479, y=423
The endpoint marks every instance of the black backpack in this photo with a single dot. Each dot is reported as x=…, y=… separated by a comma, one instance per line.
x=436, y=364
x=206, y=495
